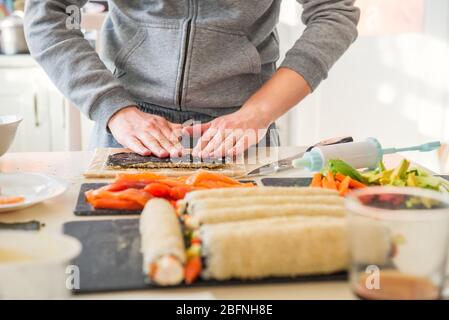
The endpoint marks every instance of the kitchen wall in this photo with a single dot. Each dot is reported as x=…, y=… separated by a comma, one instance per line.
x=392, y=84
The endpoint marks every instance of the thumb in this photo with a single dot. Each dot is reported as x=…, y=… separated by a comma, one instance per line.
x=196, y=129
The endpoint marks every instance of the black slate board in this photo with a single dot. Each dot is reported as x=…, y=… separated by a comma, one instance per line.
x=301, y=182
x=111, y=259
x=83, y=208
x=286, y=182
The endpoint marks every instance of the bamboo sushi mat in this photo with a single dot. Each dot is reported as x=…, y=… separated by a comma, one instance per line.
x=98, y=168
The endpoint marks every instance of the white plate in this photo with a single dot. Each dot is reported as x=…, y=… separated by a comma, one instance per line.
x=34, y=187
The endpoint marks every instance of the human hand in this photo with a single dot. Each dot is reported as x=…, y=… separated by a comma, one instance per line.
x=146, y=134
x=228, y=135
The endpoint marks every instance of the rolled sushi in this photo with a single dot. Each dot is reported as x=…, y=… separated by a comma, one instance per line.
x=162, y=243
x=276, y=247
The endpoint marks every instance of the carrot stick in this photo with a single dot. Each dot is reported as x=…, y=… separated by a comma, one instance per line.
x=331, y=181
x=344, y=186
x=11, y=200
x=316, y=181
x=353, y=183
x=192, y=270
x=356, y=185
x=324, y=182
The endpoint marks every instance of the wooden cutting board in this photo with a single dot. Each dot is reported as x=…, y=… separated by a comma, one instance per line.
x=98, y=168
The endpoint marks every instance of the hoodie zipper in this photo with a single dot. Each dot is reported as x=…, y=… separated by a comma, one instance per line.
x=186, y=51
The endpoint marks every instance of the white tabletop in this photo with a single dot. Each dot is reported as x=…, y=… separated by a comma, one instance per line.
x=54, y=213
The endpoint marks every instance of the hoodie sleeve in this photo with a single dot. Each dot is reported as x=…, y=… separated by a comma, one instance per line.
x=70, y=62
x=331, y=27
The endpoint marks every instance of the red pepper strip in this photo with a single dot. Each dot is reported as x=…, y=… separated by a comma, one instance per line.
x=158, y=190
x=192, y=270
x=118, y=204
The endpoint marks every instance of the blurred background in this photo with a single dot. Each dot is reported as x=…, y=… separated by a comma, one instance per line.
x=392, y=84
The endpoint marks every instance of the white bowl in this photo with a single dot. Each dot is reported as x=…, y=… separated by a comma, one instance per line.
x=36, y=265
x=8, y=128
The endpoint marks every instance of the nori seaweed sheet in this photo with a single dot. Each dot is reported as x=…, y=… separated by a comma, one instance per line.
x=133, y=160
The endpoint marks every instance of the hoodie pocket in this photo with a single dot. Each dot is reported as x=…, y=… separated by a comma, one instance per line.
x=224, y=70
x=148, y=67
x=127, y=50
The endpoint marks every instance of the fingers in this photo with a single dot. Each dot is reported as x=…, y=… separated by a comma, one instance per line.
x=203, y=141
x=247, y=140
x=169, y=140
x=163, y=132
x=196, y=129
x=240, y=147
x=214, y=143
x=135, y=145
x=176, y=130
x=154, y=144
x=225, y=147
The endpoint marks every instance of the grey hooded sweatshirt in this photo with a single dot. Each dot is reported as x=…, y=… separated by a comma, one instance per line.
x=185, y=55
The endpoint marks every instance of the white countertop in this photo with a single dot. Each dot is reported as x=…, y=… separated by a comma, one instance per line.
x=17, y=61
x=54, y=213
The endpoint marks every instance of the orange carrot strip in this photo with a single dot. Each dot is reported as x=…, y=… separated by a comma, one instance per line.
x=316, y=181
x=324, y=182
x=11, y=200
x=344, y=186
x=331, y=181
x=356, y=184
x=353, y=183
x=192, y=270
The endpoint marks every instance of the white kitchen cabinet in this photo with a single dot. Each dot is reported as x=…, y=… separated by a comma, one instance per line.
x=25, y=90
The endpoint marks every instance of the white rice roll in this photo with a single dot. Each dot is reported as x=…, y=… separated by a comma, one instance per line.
x=255, y=211
x=276, y=247
x=257, y=191
x=237, y=202
x=162, y=243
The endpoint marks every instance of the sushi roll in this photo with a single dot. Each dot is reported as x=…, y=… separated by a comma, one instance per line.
x=257, y=191
x=210, y=207
x=252, y=212
x=237, y=202
x=274, y=247
x=162, y=243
